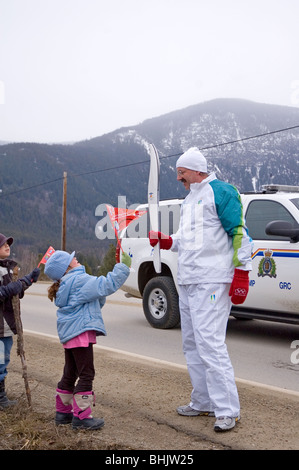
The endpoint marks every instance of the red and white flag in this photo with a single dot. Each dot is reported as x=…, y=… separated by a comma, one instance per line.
x=121, y=218
x=46, y=256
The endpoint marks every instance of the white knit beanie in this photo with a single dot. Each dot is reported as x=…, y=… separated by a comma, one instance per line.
x=193, y=159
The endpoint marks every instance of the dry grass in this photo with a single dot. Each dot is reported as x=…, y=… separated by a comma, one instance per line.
x=24, y=429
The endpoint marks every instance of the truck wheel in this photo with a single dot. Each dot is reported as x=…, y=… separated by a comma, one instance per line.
x=161, y=303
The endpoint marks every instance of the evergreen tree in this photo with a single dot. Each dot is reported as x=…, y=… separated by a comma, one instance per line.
x=108, y=261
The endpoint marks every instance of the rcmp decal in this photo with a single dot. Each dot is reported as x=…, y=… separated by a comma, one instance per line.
x=267, y=265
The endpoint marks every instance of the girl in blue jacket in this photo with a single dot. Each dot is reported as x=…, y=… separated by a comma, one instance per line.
x=79, y=298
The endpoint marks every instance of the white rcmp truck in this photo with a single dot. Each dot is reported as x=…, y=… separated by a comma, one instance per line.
x=272, y=218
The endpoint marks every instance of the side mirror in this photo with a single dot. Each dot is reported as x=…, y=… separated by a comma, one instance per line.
x=282, y=228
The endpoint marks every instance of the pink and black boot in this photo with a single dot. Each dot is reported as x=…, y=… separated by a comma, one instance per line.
x=64, y=407
x=82, y=403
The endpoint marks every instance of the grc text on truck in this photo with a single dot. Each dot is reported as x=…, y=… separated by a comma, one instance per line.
x=272, y=218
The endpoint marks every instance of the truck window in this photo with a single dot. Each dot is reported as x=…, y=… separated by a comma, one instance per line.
x=296, y=202
x=260, y=212
x=170, y=218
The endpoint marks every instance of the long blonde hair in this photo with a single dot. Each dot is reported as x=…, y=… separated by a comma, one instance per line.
x=53, y=289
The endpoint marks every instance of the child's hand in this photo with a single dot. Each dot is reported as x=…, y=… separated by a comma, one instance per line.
x=32, y=277
x=35, y=274
x=126, y=259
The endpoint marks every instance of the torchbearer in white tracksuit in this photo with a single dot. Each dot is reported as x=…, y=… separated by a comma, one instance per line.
x=214, y=260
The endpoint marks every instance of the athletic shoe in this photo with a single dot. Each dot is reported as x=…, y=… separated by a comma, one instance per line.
x=225, y=423
x=186, y=410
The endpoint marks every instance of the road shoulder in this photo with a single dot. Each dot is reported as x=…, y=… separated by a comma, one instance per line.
x=137, y=399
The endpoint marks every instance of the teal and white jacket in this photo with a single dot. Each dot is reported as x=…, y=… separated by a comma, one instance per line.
x=212, y=239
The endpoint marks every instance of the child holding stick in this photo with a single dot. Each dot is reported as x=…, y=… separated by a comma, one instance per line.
x=8, y=289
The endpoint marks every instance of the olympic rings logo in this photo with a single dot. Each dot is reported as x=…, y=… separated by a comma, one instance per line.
x=241, y=292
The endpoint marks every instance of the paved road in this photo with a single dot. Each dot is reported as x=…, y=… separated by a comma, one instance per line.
x=260, y=351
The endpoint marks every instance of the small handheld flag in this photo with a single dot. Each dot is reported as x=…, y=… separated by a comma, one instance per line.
x=46, y=256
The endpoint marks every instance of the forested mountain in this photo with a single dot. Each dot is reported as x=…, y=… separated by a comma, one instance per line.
x=117, y=164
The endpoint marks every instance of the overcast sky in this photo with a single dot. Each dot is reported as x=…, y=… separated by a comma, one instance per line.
x=76, y=69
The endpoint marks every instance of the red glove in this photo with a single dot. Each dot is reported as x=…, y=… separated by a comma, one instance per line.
x=165, y=240
x=239, y=286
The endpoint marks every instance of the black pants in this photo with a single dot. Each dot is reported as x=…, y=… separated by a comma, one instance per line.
x=78, y=365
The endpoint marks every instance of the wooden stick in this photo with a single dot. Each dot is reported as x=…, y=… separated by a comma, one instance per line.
x=20, y=340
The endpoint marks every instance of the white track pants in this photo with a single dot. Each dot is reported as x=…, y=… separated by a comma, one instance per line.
x=204, y=312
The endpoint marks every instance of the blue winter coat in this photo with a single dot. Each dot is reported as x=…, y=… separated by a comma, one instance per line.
x=80, y=298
